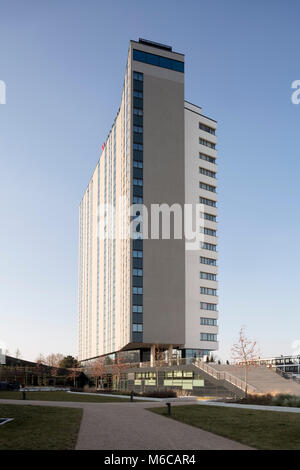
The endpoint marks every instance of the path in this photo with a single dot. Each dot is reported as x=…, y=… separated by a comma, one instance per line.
x=130, y=426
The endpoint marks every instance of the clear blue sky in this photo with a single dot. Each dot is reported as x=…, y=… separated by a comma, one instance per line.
x=63, y=62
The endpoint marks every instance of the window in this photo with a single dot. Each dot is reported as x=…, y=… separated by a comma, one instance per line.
x=207, y=187
x=208, y=246
x=137, y=254
x=137, y=327
x=137, y=272
x=137, y=182
x=137, y=290
x=208, y=306
x=207, y=202
x=206, y=172
x=209, y=261
x=137, y=164
x=202, y=156
x=138, y=129
x=137, y=309
x=138, y=94
x=137, y=200
x=208, y=291
x=208, y=337
x=208, y=231
x=137, y=112
x=205, y=128
x=207, y=143
x=205, y=215
x=157, y=60
x=208, y=276
x=137, y=146
x=138, y=76
x=208, y=321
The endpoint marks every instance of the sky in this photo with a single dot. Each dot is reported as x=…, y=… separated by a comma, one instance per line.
x=63, y=63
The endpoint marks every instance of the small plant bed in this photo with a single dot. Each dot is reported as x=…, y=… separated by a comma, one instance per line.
x=39, y=427
x=270, y=400
x=258, y=429
x=153, y=394
x=60, y=396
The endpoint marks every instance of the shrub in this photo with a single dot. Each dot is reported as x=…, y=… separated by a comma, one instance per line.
x=160, y=394
x=286, y=400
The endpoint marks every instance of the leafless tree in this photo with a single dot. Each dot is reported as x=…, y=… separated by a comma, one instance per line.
x=99, y=370
x=245, y=354
x=18, y=354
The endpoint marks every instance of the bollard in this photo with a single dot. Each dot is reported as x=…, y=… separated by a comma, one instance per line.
x=169, y=408
x=24, y=395
x=131, y=396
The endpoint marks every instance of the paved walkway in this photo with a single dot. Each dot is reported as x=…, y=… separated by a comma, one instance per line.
x=130, y=426
x=285, y=409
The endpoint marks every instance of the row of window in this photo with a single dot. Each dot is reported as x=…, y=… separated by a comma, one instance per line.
x=137, y=309
x=208, y=231
x=208, y=276
x=208, y=246
x=158, y=60
x=208, y=291
x=137, y=112
x=207, y=143
x=137, y=254
x=137, y=272
x=208, y=321
x=138, y=94
x=137, y=164
x=137, y=327
x=137, y=182
x=138, y=129
x=207, y=158
x=209, y=261
x=137, y=290
x=208, y=306
x=207, y=187
x=137, y=200
x=205, y=215
x=204, y=171
x=205, y=128
x=207, y=202
x=208, y=337
x=138, y=147
x=138, y=76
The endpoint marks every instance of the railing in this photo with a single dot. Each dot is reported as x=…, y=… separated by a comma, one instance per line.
x=222, y=375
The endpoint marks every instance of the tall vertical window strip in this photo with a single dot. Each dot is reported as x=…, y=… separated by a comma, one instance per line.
x=137, y=274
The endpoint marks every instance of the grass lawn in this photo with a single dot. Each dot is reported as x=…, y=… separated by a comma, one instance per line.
x=39, y=427
x=258, y=429
x=60, y=396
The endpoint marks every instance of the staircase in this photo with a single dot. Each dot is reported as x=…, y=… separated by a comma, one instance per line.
x=260, y=378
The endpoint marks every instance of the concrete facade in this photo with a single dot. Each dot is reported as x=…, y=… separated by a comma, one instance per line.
x=134, y=294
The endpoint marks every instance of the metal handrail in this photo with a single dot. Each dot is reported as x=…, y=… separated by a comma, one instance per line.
x=241, y=384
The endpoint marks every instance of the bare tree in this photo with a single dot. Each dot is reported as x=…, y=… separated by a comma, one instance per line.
x=245, y=354
x=118, y=366
x=40, y=359
x=18, y=354
x=98, y=370
x=53, y=360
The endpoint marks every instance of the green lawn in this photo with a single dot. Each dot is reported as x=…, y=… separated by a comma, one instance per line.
x=258, y=429
x=60, y=396
x=39, y=427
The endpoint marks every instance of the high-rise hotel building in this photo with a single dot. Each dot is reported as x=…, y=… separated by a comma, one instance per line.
x=138, y=293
